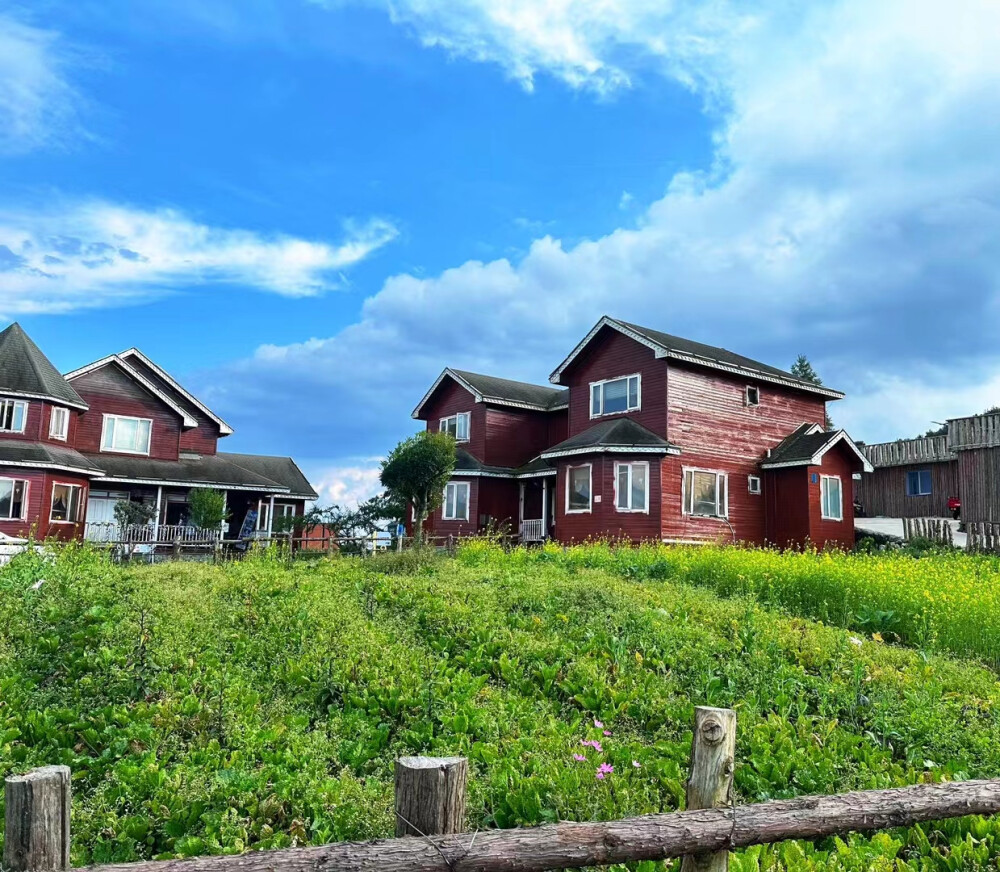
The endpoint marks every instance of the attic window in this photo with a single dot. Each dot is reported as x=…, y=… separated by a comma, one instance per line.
x=457, y=426
x=12, y=415
x=752, y=395
x=753, y=484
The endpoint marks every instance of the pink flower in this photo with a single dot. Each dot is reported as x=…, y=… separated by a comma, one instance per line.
x=579, y=758
x=599, y=776
x=598, y=724
x=593, y=743
x=607, y=732
x=635, y=763
x=603, y=770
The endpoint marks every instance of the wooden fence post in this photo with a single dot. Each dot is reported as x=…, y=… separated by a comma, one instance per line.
x=710, y=784
x=430, y=795
x=36, y=835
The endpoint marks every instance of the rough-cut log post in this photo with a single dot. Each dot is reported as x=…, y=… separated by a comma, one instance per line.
x=36, y=835
x=430, y=795
x=654, y=837
x=710, y=784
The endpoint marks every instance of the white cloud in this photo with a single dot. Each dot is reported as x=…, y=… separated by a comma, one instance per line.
x=850, y=213
x=94, y=253
x=346, y=485
x=38, y=105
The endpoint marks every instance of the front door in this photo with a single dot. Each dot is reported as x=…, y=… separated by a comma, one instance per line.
x=101, y=523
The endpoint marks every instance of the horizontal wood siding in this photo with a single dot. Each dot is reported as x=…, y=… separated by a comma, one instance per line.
x=604, y=520
x=514, y=436
x=40, y=505
x=498, y=499
x=610, y=355
x=440, y=527
x=823, y=533
x=786, y=502
x=883, y=492
x=109, y=390
x=558, y=427
x=715, y=430
x=979, y=480
x=451, y=398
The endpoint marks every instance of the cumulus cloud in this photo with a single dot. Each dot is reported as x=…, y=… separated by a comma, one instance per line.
x=850, y=213
x=38, y=104
x=346, y=485
x=95, y=253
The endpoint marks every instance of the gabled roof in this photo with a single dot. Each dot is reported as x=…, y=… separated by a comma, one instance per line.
x=467, y=466
x=187, y=418
x=618, y=435
x=807, y=445
x=41, y=455
x=282, y=470
x=181, y=394
x=676, y=348
x=501, y=392
x=26, y=372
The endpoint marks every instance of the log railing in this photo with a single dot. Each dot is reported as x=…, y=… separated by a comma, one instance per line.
x=927, y=449
x=430, y=802
x=976, y=431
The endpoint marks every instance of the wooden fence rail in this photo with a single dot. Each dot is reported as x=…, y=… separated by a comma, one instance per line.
x=432, y=792
x=935, y=529
x=984, y=538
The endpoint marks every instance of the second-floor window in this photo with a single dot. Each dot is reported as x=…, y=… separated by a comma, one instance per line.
x=13, y=499
x=456, y=501
x=457, y=426
x=65, y=502
x=59, y=423
x=129, y=435
x=706, y=493
x=13, y=416
x=632, y=487
x=615, y=395
x=918, y=483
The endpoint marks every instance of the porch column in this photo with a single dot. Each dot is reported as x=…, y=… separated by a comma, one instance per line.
x=225, y=506
x=545, y=507
x=520, y=507
x=270, y=517
x=156, y=521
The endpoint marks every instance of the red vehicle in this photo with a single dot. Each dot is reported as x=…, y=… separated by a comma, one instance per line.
x=955, y=507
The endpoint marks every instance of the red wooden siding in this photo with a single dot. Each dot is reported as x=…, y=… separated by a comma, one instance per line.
x=514, y=436
x=746, y=510
x=436, y=525
x=610, y=355
x=40, y=504
x=451, y=398
x=109, y=390
x=604, y=520
x=36, y=424
x=498, y=500
x=786, y=499
x=823, y=533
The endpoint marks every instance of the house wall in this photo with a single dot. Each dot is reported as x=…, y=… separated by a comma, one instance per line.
x=437, y=526
x=823, y=533
x=715, y=430
x=109, y=390
x=36, y=424
x=786, y=506
x=451, y=398
x=883, y=492
x=604, y=520
x=40, y=504
x=498, y=498
x=610, y=355
x=979, y=482
x=514, y=436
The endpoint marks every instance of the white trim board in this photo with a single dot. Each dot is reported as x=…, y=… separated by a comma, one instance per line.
x=479, y=397
x=817, y=458
x=611, y=449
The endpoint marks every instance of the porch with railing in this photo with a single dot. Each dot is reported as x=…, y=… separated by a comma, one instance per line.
x=150, y=534
x=533, y=530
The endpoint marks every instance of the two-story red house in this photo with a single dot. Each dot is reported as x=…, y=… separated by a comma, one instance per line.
x=647, y=436
x=120, y=428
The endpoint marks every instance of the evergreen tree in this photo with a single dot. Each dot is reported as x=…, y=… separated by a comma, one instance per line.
x=803, y=369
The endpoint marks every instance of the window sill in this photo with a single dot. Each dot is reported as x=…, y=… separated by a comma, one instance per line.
x=828, y=518
x=579, y=511
x=64, y=522
x=124, y=451
x=631, y=511
x=594, y=417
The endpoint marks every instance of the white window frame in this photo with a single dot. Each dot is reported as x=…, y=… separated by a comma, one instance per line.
x=687, y=499
x=600, y=384
x=823, y=479
x=746, y=396
x=632, y=509
x=443, y=428
x=754, y=485
x=60, y=414
x=79, y=502
x=15, y=404
x=590, y=472
x=109, y=418
x=468, y=498
x=26, y=494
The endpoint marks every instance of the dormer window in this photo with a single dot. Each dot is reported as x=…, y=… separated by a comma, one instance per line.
x=127, y=435
x=59, y=423
x=13, y=416
x=615, y=395
x=752, y=395
x=457, y=426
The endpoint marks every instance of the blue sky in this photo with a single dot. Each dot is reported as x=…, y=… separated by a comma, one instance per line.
x=306, y=209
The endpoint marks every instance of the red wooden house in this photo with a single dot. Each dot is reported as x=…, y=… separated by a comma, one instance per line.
x=120, y=428
x=647, y=436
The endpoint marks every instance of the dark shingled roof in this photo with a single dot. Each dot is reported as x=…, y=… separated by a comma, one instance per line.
x=801, y=446
x=614, y=433
x=535, y=467
x=465, y=462
x=216, y=470
x=711, y=352
x=40, y=454
x=25, y=371
x=492, y=387
x=282, y=470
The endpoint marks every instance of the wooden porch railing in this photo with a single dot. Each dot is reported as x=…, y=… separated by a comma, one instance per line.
x=430, y=806
x=147, y=534
x=532, y=530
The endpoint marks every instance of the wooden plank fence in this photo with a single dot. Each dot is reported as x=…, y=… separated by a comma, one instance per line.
x=935, y=529
x=430, y=804
x=983, y=538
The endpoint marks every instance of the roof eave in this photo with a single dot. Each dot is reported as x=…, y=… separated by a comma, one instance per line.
x=611, y=449
x=447, y=372
x=48, y=398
